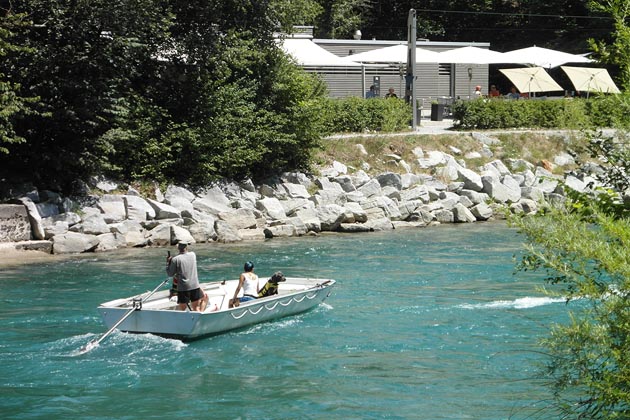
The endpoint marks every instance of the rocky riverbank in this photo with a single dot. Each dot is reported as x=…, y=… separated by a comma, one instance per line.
x=434, y=189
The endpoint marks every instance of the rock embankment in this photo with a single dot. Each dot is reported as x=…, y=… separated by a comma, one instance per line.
x=436, y=188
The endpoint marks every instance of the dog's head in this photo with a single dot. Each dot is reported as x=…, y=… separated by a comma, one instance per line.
x=277, y=277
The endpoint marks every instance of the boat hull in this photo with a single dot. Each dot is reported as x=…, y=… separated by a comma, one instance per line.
x=158, y=316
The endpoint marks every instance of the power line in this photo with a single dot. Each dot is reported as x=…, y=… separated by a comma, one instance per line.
x=465, y=12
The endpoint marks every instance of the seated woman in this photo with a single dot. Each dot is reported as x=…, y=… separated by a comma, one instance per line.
x=248, y=281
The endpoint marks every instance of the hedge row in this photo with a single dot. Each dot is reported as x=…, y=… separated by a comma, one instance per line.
x=357, y=115
x=574, y=113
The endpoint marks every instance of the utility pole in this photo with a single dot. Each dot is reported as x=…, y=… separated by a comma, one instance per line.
x=410, y=79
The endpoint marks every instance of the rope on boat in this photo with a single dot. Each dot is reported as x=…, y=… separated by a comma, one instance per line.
x=293, y=299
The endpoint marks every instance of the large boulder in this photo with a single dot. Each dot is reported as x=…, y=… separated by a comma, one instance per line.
x=291, y=206
x=496, y=190
x=112, y=207
x=271, y=207
x=299, y=225
x=280, y=231
x=74, y=243
x=14, y=223
x=390, y=179
x=132, y=231
x=358, y=214
x=48, y=208
x=462, y=215
x=354, y=228
x=212, y=200
x=431, y=159
x=110, y=241
x=137, y=208
x=370, y=189
x=482, y=211
x=92, y=225
x=326, y=184
x=180, y=234
x=472, y=180
x=419, y=192
x=381, y=224
x=35, y=219
x=331, y=216
x=55, y=228
x=346, y=183
x=226, y=233
x=160, y=235
x=386, y=204
x=164, y=211
x=239, y=218
x=296, y=190
x=252, y=234
x=203, y=231
x=310, y=219
x=182, y=204
x=175, y=192
x=326, y=197
x=513, y=188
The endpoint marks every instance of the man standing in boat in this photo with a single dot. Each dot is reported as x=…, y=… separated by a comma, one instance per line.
x=183, y=268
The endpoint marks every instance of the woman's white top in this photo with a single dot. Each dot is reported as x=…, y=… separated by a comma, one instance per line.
x=250, y=284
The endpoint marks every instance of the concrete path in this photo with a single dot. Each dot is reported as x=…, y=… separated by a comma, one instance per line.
x=426, y=126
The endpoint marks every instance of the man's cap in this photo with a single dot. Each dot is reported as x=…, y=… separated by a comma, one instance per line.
x=182, y=245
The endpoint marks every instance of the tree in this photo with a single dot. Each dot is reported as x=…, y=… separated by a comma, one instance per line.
x=12, y=105
x=507, y=25
x=616, y=51
x=86, y=57
x=295, y=12
x=584, y=247
x=163, y=90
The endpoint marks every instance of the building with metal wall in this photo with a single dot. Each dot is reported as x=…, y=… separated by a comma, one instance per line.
x=435, y=81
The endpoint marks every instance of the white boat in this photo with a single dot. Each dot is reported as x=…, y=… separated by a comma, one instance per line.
x=157, y=314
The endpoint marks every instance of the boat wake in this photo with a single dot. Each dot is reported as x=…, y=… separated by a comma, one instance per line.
x=270, y=327
x=81, y=344
x=520, y=303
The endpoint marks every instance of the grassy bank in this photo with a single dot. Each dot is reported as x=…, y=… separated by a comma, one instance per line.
x=384, y=151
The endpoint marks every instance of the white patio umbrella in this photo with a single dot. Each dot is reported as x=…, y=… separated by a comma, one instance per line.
x=471, y=55
x=394, y=54
x=542, y=57
x=531, y=79
x=590, y=79
x=307, y=53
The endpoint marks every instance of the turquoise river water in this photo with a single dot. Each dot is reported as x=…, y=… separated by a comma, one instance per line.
x=428, y=323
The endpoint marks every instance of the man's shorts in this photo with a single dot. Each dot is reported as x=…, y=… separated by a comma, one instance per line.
x=189, y=296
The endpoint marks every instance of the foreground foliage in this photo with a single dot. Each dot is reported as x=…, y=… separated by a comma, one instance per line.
x=181, y=91
x=584, y=247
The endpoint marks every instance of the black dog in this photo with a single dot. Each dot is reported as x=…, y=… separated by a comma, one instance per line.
x=271, y=287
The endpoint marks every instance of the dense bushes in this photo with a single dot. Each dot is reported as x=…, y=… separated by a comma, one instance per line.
x=151, y=90
x=599, y=111
x=358, y=115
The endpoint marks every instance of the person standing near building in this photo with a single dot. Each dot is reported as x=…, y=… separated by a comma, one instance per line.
x=391, y=93
x=371, y=93
x=183, y=268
